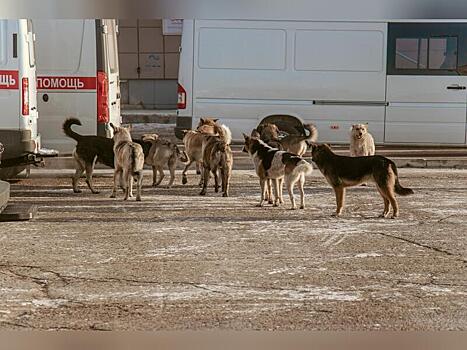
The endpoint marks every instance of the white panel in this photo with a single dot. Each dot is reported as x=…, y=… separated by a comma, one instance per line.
x=429, y=89
x=65, y=47
x=247, y=48
x=426, y=124
x=339, y=50
x=3, y=41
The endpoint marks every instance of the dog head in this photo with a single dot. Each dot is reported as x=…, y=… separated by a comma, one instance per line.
x=268, y=132
x=359, y=131
x=319, y=150
x=149, y=137
x=207, y=125
x=248, y=142
x=121, y=133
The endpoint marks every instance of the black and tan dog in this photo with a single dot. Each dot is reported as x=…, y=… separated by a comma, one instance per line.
x=89, y=150
x=343, y=171
x=273, y=164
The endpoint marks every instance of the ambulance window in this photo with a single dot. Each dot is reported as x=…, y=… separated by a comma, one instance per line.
x=112, y=47
x=32, y=55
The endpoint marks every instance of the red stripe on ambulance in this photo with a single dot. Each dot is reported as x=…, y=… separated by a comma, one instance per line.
x=66, y=83
x=9, y=79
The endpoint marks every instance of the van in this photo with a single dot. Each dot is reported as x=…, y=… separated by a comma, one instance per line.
x=19, y=115
x=77, y=76
x=407, y=80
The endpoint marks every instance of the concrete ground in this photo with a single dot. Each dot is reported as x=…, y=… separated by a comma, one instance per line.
x=180, y=261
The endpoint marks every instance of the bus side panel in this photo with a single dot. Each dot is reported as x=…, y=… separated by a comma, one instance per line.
x=332, y=74
x=66, y=65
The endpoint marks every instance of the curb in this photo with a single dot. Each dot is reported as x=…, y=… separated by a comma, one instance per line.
x=243, y=162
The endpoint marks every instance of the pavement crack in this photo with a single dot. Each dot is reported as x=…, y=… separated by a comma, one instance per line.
x=426, y=246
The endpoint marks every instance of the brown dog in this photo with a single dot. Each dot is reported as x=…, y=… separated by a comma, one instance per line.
x=217, y=158
x=162, y=152
x=193, y=141
x=296, y=144
x=343, y=171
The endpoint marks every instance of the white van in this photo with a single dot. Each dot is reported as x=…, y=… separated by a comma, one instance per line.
x=18, y=121
x=407, y=80
x=77, y=76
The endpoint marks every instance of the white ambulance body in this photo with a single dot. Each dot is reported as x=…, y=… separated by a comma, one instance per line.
x=406, y=79
x=18, y=117
x=77, y=76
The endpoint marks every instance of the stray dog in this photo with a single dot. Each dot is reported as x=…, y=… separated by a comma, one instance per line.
x=296, y=144
x=163, y=152
x=343, y=171
x=273, y=164
x=217, y=157
x=129, y=163
x=89, y=150
x=361, y=141
x=193, y=141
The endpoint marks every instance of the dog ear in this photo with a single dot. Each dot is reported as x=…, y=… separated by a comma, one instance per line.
x=215, y=120
x=245, y=136
x=202, y=120
x=114, y=128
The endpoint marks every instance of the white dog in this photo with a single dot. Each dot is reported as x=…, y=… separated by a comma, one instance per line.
x=361, y=141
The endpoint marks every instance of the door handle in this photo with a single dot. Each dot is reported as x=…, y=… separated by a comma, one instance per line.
x=455, y=87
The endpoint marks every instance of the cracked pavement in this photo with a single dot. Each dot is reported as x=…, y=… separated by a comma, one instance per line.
x=180, y=261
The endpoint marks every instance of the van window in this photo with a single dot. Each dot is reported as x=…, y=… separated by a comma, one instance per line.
x=31, y=51
x=3, y=42
x=339, y=50
x=241, y=48
x=112, y=51
x=424, y=53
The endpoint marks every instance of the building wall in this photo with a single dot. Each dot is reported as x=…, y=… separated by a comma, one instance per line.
x=148, y=64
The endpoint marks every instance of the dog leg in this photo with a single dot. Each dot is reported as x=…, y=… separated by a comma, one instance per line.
x=262, y=183
x=184, y=178
x=340, y=199
x=139, y=185
x=216, y=180
x=386, y=202
x=154, y=176
x=198, y=168
x=281, y=190
x=301, y=184
x=201, y=178
x=289, y=184
x=172, y=165
x=80, y=167
x=276, y=193
x=269, y=193
x=225, y=181
x=205, y=181
x=89, y=171
x=160, y=170
x=395, y=206
x=127, y=181
x=117, y=179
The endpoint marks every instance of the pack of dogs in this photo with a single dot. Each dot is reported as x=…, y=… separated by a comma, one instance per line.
x=278, y=158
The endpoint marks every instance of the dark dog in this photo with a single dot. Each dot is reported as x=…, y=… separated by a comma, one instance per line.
x=342, y=172
x=91, y=149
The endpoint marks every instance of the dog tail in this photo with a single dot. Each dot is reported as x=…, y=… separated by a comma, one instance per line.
x=302, y=167
x=136, y=167
x=225, y=134
x=181, y=155
x=313, y=136
x=67, y=128
x=402, y=191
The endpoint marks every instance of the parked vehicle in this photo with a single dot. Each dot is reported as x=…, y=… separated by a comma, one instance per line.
x=77, y=69
x=18, y=122
x=407, y=80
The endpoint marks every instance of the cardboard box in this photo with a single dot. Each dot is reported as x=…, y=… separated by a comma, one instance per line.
x=152, y=65
x=171, y=65
x=151, y=40
x=172, y=43
x=151, y=23
x=128, y=64
x=127, y=23
x=127, y=40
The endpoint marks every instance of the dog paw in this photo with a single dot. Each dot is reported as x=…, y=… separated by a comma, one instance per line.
x=202, y=193
x=113, y=196
x=302, y=207
x=95, y=192
x=77, y=191
x=225, y=194
x=138, y=199
x=184, y=181
x=259, y=205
